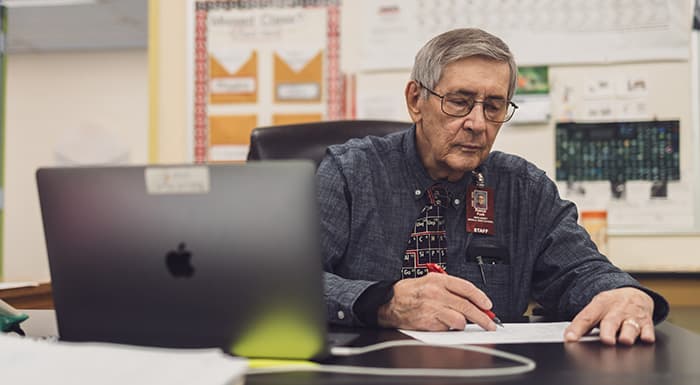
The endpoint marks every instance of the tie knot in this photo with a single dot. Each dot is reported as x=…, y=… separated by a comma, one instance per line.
x=437, y=194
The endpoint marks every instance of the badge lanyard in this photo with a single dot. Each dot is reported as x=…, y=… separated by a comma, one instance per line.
x=481, y=209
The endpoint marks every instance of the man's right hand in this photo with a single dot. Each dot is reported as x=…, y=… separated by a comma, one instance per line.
x=435, y=302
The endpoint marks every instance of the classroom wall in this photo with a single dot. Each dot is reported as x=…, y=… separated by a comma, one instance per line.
x=50, y=93
x=171, y=71
x=53, y=99
x=534, y=142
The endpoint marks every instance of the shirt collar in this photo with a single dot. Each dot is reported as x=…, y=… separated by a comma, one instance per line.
x=422, y=181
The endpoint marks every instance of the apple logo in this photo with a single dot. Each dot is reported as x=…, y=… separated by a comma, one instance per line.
x=178, y=262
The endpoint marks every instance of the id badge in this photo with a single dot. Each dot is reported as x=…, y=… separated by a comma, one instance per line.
x=481, y=210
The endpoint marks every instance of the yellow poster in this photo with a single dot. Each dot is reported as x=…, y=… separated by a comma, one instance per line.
x=260, y=65
x=282, y=119
x=229, y=136
x=233, y=76
x=298, y=75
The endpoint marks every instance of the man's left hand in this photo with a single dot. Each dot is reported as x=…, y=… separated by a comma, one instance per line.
x=623, y=315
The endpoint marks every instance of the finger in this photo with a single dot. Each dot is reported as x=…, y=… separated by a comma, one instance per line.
x=584, y=321
x=468, y=311
x=629, y=331
x=452, y=296
x=467, y=290
x=648, y=335
x=609, y=328
x=452, y=320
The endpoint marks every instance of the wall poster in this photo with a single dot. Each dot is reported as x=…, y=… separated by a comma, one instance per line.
x=540, y=32
x=259, y=63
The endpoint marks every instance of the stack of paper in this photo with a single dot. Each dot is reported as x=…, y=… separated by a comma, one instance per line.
x=27, y=361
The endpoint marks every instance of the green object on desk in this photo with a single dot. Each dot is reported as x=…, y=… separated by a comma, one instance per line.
x=11, y=322
x=263, y=363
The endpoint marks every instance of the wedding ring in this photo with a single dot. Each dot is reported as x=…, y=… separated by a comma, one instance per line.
x=633, y=323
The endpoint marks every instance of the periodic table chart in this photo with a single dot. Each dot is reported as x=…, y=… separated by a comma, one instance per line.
x=647, y=150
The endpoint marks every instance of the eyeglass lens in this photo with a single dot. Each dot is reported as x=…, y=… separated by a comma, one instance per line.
x=496, y=110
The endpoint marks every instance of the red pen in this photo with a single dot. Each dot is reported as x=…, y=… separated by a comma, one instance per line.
x=435, y=268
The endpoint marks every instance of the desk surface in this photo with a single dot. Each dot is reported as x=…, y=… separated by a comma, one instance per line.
x=673, y=359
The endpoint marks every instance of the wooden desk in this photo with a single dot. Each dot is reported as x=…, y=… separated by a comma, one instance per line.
x=679, y=289
x=33, y=297
x=673, y=359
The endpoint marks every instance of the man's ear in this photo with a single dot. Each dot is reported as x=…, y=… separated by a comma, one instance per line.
x=413, y=100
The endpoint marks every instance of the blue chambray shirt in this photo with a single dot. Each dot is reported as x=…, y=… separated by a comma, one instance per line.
x=370, y=192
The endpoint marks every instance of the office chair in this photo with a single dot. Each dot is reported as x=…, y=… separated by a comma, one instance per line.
x=310, y=140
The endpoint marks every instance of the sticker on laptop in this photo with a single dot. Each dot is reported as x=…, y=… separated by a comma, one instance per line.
x=177, y=180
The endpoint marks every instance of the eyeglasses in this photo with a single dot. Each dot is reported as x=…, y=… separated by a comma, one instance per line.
x=460, y=105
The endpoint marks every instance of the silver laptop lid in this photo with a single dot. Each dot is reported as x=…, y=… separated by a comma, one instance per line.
x=187, y=256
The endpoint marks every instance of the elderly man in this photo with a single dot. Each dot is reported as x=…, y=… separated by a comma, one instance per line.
x=391, y=206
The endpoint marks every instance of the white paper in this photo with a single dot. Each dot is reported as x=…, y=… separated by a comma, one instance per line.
x=228, y=152
x=28, y=361
x=232, y=58
x=538, y=31
x=532, y=109
x=298, y=57
x=599, y=87
x=390, y=38
x=90, y=143
x=633, y=209
x=15, y=285
x=511, y=333
x=177, y=180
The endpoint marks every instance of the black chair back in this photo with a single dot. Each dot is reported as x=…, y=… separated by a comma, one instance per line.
x=310, y=140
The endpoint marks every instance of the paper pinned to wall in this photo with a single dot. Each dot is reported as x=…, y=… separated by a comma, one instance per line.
x=259, y=59
x=538, y=32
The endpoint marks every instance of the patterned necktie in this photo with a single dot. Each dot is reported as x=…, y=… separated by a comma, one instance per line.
x=427, y=242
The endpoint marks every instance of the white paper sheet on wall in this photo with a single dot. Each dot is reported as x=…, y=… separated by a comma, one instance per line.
x=538, y=32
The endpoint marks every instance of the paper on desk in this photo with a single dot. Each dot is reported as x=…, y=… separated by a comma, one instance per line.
x=28, y=361
x=16, y=285
x=509, y=334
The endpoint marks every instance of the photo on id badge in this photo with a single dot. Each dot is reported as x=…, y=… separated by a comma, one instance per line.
x=480, y=200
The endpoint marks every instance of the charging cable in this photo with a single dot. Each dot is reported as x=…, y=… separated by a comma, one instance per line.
x=526, y=364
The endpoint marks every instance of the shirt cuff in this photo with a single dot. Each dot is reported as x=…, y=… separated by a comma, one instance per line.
x=366, y=307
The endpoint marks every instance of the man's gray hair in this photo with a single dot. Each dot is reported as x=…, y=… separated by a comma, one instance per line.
x=459, y=44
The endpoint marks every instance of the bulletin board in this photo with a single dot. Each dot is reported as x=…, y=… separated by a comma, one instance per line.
x=256, y=63
x=609, y=64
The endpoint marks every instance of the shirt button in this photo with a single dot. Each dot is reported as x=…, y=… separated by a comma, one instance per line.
x=341, y=315
x=457, y=202
x=417, y=192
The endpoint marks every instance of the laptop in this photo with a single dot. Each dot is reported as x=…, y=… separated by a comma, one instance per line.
x=187, y=256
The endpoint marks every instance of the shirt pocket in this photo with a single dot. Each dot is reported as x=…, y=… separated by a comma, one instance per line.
x=497, y=283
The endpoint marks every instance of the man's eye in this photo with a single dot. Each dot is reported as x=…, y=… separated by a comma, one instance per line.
x=458, y=102
x=493, y=105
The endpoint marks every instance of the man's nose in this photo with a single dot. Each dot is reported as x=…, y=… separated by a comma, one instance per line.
x=475, y=120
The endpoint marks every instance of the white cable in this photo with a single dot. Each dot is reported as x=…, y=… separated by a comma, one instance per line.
x=527, y=364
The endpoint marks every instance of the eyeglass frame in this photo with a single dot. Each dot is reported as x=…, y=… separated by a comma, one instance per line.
x=442, y=106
